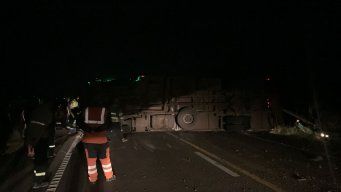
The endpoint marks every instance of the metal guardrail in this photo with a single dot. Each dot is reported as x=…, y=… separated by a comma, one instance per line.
x=53, y=186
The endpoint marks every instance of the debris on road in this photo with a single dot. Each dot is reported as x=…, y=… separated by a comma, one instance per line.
x=317, y=158
x=298, y=177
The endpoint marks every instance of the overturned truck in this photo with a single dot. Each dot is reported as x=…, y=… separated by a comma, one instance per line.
x=179, y=104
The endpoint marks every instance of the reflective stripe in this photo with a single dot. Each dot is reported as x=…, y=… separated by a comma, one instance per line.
x=23, y=116
x=106, y=165
x=95, y=122
x=114, y=119
x=92, y=167
x=86, y=115
x=107, y=170
x=52, y=146
x=102, y=115
x=40, y=174
x=92, y=172
x=37, y=122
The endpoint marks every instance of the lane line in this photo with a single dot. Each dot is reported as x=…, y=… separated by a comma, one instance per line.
x=235, y=167
x=220, y=166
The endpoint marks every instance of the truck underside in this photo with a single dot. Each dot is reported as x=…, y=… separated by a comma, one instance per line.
x=180, y=104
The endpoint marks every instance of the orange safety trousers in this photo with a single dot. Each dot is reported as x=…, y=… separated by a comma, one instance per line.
x=101, y=152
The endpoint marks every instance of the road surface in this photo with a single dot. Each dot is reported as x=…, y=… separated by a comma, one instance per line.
x=204, y=161
x=187, y=162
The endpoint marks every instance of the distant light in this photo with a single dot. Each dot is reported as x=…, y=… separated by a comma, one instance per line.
x=89, y=82
x=297, y=121
x=109, y=79
x=138, y=79
x=326, y=136
x=322, y=135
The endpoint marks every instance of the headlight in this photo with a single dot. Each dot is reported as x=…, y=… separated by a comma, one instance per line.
x=324, y=135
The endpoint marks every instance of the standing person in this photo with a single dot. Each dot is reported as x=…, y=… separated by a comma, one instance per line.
x=116, y=118
x=38, y=134
x=125, y=131
x=95, y=124
x=72, y=115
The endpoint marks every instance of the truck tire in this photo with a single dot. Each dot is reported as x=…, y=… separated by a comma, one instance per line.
x=186, y=118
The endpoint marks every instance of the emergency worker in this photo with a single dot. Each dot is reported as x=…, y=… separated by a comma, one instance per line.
x=38, y=134
x=95, y=125
x=73, y=112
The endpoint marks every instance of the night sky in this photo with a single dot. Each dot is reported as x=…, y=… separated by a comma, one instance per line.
x=49, y=44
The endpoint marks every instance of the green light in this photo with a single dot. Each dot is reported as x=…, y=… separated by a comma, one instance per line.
x=109, y=79
x=138, y=79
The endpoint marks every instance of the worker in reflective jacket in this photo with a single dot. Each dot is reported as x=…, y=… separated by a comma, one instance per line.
x=39, y=130
x=95, y=125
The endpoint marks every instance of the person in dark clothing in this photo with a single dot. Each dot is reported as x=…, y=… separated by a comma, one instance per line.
x=51, y=140
x=73, y=112
x=39, y=133
x=60, y=115
x=116, y=118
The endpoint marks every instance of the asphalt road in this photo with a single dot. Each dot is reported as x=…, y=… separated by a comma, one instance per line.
x=203, y=161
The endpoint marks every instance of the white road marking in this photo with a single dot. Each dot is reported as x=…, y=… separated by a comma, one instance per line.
x=235, y=167
x=220, y=166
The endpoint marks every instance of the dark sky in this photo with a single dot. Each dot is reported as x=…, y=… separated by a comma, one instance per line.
x=66, y=40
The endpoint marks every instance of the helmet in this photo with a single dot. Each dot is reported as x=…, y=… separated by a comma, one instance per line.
x=73, y=104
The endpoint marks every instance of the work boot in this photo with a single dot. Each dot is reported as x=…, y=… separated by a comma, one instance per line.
x=113, y=178
x=93, y=182
x=51, y=153
x=51, y=156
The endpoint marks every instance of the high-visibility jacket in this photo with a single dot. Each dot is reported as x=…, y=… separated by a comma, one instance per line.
x=95, y=125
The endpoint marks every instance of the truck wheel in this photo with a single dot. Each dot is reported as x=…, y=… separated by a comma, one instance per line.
x=186, y=118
